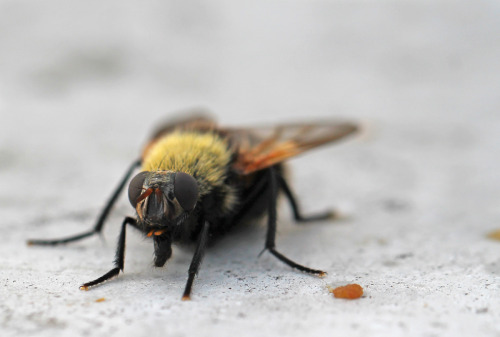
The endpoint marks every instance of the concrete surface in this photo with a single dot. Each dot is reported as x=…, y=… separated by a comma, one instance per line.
x=82, y=83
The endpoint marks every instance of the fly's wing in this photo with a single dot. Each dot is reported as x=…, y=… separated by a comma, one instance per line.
x=191, y=120
x=260, y=148
x=195, y=120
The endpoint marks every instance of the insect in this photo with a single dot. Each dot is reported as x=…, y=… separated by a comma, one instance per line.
x=197, y=180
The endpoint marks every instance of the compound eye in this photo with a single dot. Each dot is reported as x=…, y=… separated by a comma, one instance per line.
x=186, y=190
x=135, y=187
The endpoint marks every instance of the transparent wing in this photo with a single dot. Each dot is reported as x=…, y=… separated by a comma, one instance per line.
x=259, y=148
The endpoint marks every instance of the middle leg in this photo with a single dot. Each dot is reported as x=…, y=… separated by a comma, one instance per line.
x=271, y=227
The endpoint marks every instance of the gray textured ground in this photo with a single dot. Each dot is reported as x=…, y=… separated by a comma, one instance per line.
x=82, y=83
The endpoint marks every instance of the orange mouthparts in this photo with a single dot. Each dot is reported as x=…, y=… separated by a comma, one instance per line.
x=156, y=233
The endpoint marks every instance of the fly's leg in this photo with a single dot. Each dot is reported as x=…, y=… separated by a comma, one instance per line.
x=119, y=257
x=196, y=261
x=295, y=207
x=101, y=220
x=271, y=228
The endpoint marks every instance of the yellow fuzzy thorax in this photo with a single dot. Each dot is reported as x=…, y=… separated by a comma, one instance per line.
x=203, y=155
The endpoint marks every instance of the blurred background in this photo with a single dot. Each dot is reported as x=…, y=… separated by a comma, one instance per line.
x=83, y=83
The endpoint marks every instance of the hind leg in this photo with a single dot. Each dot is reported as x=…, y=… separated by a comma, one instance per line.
x=299, y=217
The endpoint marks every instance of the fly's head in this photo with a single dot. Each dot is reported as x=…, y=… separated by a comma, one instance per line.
x=162, y=199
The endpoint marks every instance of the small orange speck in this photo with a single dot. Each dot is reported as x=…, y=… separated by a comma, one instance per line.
x=84, y=288
x=150, y=234
x=494, y=235
x=160, y=232
x=349, y=291
x=102, y=299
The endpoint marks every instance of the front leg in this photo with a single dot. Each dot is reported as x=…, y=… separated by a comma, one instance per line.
x=119, y=257
x=271, y=227
x=196, y=261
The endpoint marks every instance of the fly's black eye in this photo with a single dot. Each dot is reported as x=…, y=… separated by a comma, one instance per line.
x=186, y=190
x=135, y=187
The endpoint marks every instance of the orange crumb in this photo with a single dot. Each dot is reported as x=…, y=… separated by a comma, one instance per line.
x=350, y=291
x=495, y=235
x=102, y=299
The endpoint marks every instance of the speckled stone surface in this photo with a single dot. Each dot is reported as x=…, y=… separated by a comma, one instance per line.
x=83, y=83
